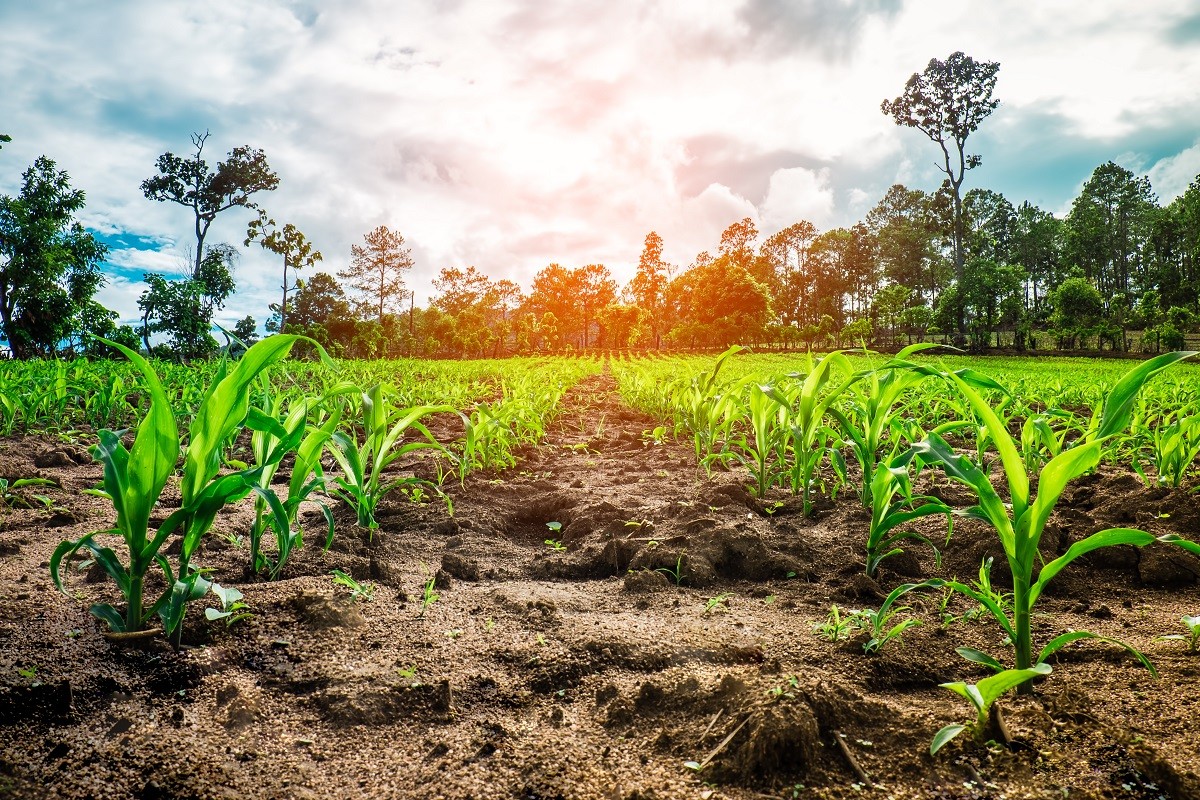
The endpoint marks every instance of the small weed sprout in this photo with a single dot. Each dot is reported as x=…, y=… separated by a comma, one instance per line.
x=13, y=498
x=358, y=591
x=232, y=609
x=675, y=574
x=841, y=624
x=428, y=595
x=1192, y=637
x=556, y=545
x=718, y=603
x=785, y=689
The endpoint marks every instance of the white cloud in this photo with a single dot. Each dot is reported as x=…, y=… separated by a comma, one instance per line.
x=1172, y=175
x=798, y=194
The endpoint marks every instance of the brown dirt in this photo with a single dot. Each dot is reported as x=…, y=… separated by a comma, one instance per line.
x=587, y=672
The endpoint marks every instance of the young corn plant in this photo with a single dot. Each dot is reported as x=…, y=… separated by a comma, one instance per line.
x=361, y=484
x=764, y=408
x=1174, y=445
x=983, y=696
x=1192, y=638
x=806, y=443
x=1020, y=523
x=271, y=438
x=134, y=478
x=893, y=505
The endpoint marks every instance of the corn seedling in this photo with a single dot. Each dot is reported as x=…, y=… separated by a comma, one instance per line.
x=718, y=603
x=271, y=438
x=1174, y=445
x=878, y=622
x=983, y=696
x=134, y=478
x=12, y=496
x=1020, y=523
x=358, y=591
x=1192, y=637
x=361, y=484
x=428, y=595
x=807, y=435
x=893, y=505
x=676, y=573
x=841, y=624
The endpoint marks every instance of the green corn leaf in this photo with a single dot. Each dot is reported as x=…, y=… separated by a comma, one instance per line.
x=933, y=449
x=944, y=736
x=224, y=407
x=1119, y=405
x=1014, y=467
x=110, y=616
x=140, y=474
x=1055, y=476
x=1061, y=641
x=1104, y=538
x=980, y=657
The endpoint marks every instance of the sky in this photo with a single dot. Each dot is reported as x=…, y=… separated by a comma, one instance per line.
x=510, y=134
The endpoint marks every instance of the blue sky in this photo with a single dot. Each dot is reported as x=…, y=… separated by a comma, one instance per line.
x=512, y=133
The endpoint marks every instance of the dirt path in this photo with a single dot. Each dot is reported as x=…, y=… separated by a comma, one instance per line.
x=582, y=670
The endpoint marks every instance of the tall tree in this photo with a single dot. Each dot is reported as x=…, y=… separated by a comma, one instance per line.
x=1037, y=247
x=4, y=139
x=189, y=182
x=1109, y=229
x=49, y=265
x=320, y=310
x=648, y=288
x=594, y=289
x=289, y=242
x=738, y=242
x=551, y=292
x=947, y=102
x=905, y=224
x=377, y=268
x=787, y=268
x=459, y=289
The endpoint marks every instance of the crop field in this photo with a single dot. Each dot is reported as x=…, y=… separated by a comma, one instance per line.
x=616, y=577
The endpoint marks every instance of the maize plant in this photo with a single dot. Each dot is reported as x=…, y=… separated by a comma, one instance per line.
x=1021, y=522
x=874, y=409
x=808, y=435
x=361, y=484
x=893, y=505
x=270, y=439
x=1174, y=445
x=134, y=478
x=983, y=696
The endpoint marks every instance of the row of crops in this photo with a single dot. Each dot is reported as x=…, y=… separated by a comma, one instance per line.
x=1015, y=433
x=350, y=432
x=1015, y=437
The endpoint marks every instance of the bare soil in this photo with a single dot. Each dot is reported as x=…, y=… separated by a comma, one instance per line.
x=587, y=672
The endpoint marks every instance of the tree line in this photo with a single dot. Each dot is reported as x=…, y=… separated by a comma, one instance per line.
x=1118, y=272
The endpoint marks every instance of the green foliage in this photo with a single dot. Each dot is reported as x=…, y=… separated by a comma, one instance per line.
x=134, y=478
x=1192, y=638
x=1019, y=524
x=49, y=264
x=893, y=505
x=362, y=484
x=11, y=495
x=358, y=591
x=232, y=610
x=841, y=624
x=982, y=696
